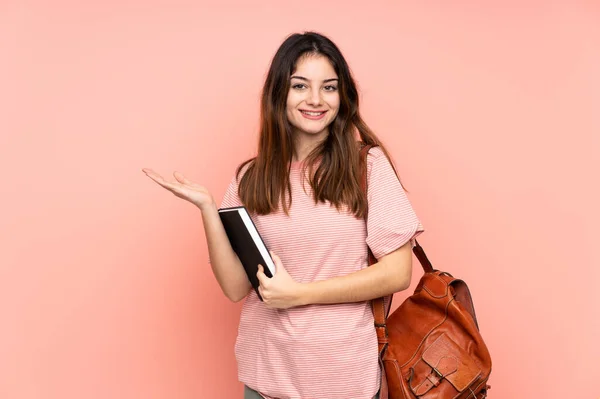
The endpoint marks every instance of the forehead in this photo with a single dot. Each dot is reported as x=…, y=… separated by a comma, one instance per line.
x=314, y=67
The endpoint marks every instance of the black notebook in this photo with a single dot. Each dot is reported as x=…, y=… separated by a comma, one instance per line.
x=247, y=243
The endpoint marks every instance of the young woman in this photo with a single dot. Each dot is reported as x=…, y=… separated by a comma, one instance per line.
x=313, y=336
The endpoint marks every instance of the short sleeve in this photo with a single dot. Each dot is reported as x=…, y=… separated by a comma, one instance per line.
x=391, y=220
x=231, y=197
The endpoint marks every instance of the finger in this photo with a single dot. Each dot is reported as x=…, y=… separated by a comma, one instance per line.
x=264, y=295
x=182, y=179
x=179, y=177
x=262, y=277
x=173, y=186
x=277, y=261
x=152, y=174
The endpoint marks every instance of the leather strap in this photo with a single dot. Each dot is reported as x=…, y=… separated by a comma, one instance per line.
x=422, y=258
x=383, y=389
x=463, y=295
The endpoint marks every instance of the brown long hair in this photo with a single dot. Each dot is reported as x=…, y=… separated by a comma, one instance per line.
x=265, y=184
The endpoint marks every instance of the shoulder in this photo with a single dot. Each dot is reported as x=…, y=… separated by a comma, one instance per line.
x=381, y=171
x=237, y=175
x=242, y=168
x=375, y=154
x=377, y=159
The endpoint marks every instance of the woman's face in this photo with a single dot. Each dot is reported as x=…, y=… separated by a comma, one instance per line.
x=313, y=100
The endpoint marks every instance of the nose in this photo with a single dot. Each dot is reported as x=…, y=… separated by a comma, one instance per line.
x=314, y=97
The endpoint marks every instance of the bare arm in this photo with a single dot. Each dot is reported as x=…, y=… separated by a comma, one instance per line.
x=392, y=273
x=225, y=264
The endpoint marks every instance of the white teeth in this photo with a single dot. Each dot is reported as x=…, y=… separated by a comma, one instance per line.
x=312, y=113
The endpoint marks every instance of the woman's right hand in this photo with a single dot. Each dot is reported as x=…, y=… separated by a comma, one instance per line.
x=184, y=188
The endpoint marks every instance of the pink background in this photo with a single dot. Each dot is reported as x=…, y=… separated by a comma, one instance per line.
x=491, y=110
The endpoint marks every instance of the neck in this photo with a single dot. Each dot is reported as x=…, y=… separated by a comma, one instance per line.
x=305, y=143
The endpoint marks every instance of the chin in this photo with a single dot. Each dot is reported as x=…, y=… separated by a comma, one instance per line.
x=312, y=129
x=312, y=132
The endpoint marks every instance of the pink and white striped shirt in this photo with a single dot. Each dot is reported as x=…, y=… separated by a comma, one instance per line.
x=321, y=351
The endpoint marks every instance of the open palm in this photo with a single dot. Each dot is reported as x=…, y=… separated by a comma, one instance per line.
x=183, y=188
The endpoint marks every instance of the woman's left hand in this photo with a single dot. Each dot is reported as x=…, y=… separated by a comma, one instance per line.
x=279, y=291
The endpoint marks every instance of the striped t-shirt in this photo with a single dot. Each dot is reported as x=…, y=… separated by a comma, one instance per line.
x=321, y=351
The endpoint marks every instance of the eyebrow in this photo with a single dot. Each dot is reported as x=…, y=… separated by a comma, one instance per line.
x=303, y=78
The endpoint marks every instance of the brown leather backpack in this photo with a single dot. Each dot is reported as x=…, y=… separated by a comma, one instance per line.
x=430, y=347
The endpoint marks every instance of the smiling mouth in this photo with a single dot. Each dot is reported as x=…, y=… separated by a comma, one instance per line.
x=312, y=113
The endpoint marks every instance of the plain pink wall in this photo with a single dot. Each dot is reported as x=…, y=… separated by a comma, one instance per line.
x=491, y=110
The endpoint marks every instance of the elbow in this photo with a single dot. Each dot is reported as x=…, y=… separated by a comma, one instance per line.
x=403, y=279
x=236, y=296
x=403, y=284
x=236, y=299
x=398, y=269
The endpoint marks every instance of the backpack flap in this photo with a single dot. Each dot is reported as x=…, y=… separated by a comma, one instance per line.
x=445, y=360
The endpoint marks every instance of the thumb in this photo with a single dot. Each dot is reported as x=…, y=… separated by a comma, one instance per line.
x=277, y=261
x=182, y=179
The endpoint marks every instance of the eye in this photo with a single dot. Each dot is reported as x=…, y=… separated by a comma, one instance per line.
x=299, y=86
x=330, y=88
